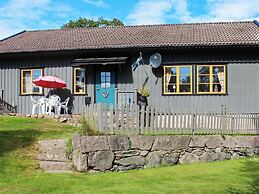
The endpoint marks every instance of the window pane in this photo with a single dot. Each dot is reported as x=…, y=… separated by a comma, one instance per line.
x=172, y=80
x=204, y=69
x=102, y=74
x=108, y=79
x=108, y=74
x=102, y=79
x=185, y=88
x=173, y=71
x=185, y=70
x=108, y=85
x=36, y=73
x=204, y=87
x=185, y=79
x=27, y=82
x=103, y=85
x=215, y=79
x=217, y=69
x=172, y=88
x=217, y=88
x=204, y=79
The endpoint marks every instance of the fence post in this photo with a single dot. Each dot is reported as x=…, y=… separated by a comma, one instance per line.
x=194, y=122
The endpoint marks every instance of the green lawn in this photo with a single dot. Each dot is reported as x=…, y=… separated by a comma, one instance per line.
x=19, y=172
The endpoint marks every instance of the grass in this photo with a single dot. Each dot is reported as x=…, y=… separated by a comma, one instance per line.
x=19, y=171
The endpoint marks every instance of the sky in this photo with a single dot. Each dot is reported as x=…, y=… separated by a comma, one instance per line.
x=19, y=15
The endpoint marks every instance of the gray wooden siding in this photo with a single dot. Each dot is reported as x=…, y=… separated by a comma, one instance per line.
x=243, y=83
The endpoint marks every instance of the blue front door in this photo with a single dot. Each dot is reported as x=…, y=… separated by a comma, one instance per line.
x=105, y=87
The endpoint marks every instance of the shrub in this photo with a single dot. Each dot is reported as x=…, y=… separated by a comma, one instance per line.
x=69, y=148
x=88, y=126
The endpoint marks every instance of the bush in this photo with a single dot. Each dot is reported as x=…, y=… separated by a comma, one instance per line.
x=88, y=127
x=69, y=148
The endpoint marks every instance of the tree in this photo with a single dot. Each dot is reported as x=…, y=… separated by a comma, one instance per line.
x=84, y=23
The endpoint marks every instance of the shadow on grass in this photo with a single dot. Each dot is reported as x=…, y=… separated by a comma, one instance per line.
x=251, y=171
x=11, y=140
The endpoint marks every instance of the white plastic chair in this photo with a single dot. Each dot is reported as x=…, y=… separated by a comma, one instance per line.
x=43, y=104
x=64, y=105
x=53, y=102
x=35, y=105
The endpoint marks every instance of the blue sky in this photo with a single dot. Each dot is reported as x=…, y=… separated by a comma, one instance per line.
x=18, y=15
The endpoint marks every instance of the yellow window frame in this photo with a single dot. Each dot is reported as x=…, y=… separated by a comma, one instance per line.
x=31, y=83
x=74, y=77
x=177, y=67
x=211, y=79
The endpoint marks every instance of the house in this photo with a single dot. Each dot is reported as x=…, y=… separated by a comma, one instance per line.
x=204, y=65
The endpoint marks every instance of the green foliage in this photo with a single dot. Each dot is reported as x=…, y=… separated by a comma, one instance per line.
x=84, y=23
x=69, y=148
x=88, y=126
x=144, y=91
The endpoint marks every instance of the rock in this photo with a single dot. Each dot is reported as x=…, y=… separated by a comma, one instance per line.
x=127, y=153
x=94, y=143
x=218, y=150
x=57, y=116
x=40, y=116
x=198, y=141
x=256, y=141
x=152, y=160
x=76, y=142
x=171, y=142
x=28, y=115
x=51, y=166
x=170, y=159
x=257, y=151
x=224, y=156
x=142, y=142
x=245, y=141
x=52, y=150
x=143, y=153
x=63, y=120
x=229, y=142
x=118, y=143
x=80, y=161
x=208, y=157
x=235, y=156
x=34, y=116
x=189, y=158
x=132, y=162
x=198, y=152
x=101, y=160
x=214, y=141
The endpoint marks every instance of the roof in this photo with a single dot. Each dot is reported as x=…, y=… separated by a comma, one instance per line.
x=169, y=35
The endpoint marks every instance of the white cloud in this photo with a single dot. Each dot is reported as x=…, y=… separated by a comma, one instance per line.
x=157, y=12
x=98, y=3
x=150, y=12
x=19, y=15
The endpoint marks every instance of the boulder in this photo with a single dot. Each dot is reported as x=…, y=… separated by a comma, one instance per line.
x=127, y=153
x=189, y=158
x=142, y=142
x=245, y=141
x=152, y=160
x=100, y=160
x=80, y=161
x=229, y=142
x=94, y=143
x=235, y=156
x=170, y=159
x=117, y=143
x=208, y=157
x=198, y=141
x=214, y=141
x=131, y=162
x=224, y=156
x=171, y=142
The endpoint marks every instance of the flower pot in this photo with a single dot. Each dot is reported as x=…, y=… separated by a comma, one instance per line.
x=141, y=100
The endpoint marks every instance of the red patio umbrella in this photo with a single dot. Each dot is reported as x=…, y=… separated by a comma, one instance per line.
x=50, y=82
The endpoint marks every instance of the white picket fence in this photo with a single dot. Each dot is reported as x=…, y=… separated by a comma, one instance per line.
x=133, y=119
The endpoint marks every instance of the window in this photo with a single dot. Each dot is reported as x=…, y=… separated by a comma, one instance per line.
x=27, y=86
x=178, y=79
x=105, y=79
x=79, y=80
x=211, y=79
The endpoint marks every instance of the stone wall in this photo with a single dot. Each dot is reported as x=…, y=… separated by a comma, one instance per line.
x=118, y=153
